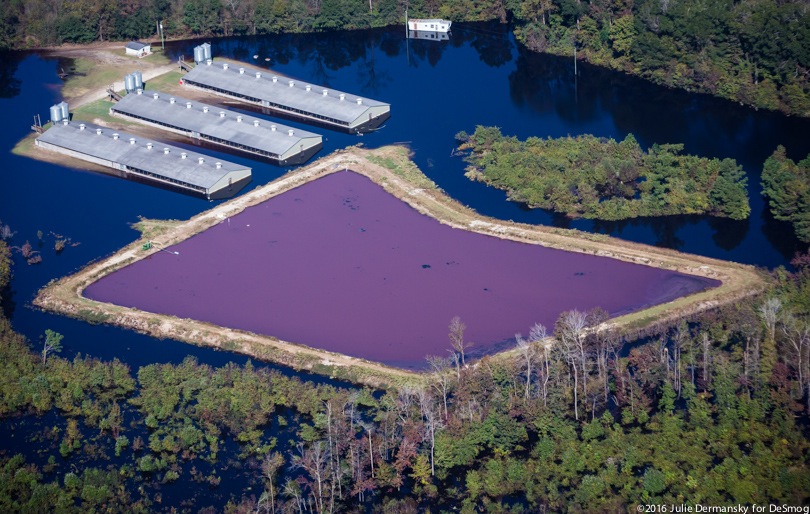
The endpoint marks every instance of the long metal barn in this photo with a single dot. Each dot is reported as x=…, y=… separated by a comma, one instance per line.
x=145, y=160
x=289, y=97
x=232, y=129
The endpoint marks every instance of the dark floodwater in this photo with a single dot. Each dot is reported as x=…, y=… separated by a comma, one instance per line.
x=342, y=265
x=436, y=89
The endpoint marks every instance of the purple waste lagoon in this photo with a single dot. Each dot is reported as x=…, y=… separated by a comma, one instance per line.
x=340, y=264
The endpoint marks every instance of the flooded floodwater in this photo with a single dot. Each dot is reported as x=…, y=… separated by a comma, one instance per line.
x=342, y=265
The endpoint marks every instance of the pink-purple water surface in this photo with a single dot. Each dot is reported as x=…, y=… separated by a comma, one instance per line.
x=340, y=264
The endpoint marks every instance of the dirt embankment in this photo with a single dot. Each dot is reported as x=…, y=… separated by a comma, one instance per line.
x=390, y=168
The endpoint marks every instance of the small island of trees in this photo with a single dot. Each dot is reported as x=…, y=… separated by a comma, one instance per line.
x=786, y=185
x=600, y=178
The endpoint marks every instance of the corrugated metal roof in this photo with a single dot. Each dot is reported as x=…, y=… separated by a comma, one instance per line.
x=280, y=92
x=170, y=165
x=137, y=45
x=212, y=123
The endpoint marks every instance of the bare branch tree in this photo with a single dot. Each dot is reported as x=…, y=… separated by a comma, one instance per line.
x=797, y=336
x=432, y=424
x=441, y=378
x=769, y=313
x=314, y=460
x=270, y=465
x=457, y=328
x=570, y=331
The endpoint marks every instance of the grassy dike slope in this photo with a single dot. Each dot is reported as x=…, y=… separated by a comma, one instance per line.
x=391, y=168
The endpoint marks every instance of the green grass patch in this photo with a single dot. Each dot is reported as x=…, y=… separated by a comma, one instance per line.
x=87, y=74
x=98, y=110
x=167, y=81
x=150, y=229
x=405, y=169
x=92, y=317
x=231, y=346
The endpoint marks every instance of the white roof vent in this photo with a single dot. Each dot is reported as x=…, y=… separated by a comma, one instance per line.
x=148, y=146
x=221, y=114
x=165, y=151
x=188, y=105
x=219, y=165
x=81, y=126
x=292, y=83
x=208, y=62
x=290, y=132
x=205, y=109
x=359, y=101
x=275, y=79
x=259, y=75
x=255, y=123
x=225, y=66
x=171, y=100
x=241, y=71
x=155, y=96
x=132, y=140
x=272, y=128
x=115, y=135
x=65, y=121
x=239, y=119
x=325, y=92
x=98, y=131
x=308, y=87
x=342, y=97
x=183, y=155
x=201, y=160
x=139, y=91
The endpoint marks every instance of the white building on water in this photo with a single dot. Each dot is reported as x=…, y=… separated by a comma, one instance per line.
x=429, y=25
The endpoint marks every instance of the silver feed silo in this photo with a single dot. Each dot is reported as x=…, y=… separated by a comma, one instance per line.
x=129, y=83
x=56, y=113
x=138, y=79
x=206, y=50
x=199, y=54
x=63, y=106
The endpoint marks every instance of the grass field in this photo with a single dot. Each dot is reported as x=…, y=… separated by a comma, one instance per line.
x=104, y=68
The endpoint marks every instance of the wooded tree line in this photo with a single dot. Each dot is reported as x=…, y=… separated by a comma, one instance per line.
x=751, y=51
x=713, y=410
x=786, y=185
x=600, y=178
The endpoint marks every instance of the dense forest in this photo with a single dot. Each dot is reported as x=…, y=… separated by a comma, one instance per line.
x=754, y=52
x=711, y=410
x=786, y=185
x=600, y=178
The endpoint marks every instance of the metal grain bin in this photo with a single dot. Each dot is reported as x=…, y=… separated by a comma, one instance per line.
x=199, y=54
x=56, y=113
x=206, y=50
x=129, y=83
x=138, y=79
x=65, y=110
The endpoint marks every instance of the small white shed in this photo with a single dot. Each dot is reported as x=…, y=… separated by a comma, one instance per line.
x=139, y=49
